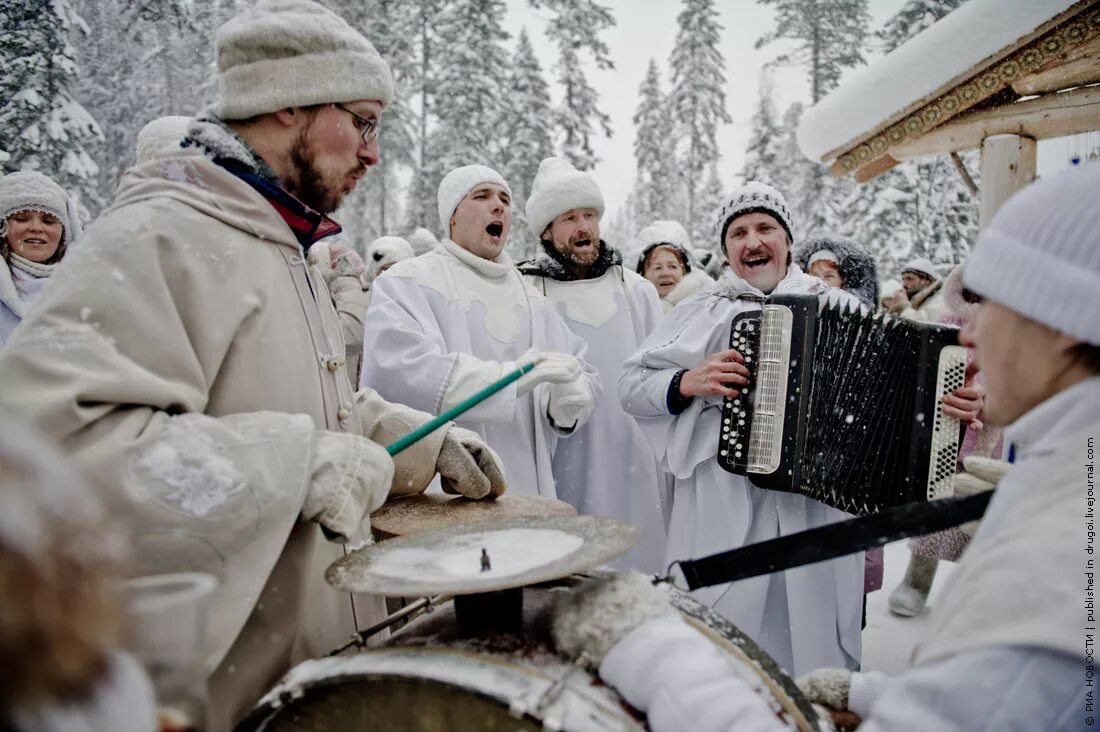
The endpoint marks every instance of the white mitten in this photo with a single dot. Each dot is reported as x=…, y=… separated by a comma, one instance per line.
x=979, y=474
x=570, y=403
x=468, y=466
x=350, y=477
x=591, y=619
x=549, y=366
x=336, y=260
x=827, y=686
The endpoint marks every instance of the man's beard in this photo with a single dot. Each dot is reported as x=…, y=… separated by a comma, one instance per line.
x=306, y=182
x=586, y=256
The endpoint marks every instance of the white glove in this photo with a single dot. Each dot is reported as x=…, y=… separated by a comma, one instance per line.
x=595, y=616
x=570, y=403
x=551, y=367
x=469, y=467
x=350, y=477
x=827, y=686
x=336, y=260
x=979, y=474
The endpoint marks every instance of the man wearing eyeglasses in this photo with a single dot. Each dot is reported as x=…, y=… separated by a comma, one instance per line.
x=192, y=362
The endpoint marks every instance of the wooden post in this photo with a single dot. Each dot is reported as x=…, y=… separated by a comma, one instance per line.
x=1008, y=164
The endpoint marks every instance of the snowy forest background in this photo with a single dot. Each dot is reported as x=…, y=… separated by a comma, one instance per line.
x=81, y=77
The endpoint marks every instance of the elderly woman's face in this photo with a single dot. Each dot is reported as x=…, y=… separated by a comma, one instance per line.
x=664, y=270
x=34, y=235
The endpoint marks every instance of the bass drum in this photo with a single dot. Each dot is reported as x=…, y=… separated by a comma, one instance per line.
x=432, y=676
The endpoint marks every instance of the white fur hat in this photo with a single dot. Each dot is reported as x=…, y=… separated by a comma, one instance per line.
x=294, y=53
x=26, y=190
x=920, y=265
x=665, y=232
x=161, y=138
x=1040, y=255
x=559, y=187
x=460, y=181
x=753, y=197
x=386, y=250
x=422, y=241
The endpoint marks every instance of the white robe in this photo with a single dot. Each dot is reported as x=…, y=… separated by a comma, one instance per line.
x=805, y=618
x=608, y=468
x=443, y=326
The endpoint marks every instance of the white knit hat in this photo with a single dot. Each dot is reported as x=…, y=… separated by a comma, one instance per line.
x=294, y=53
x=422, y=241
x=27, y=190
x=822, y=255
x=664, y=232
x=753, y=197
x=386, y=250
x=1040, y=256
x=460, y=181
x=559, y=187
x=922, y=266
x=161, y=138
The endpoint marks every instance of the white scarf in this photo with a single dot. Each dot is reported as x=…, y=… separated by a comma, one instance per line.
x=21, y=281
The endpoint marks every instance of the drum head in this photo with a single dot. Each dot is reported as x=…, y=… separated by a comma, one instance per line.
x=482, y=557
x=431, y=511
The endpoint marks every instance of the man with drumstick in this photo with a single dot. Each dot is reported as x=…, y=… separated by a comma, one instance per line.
x=1011, y=645
x=674, y=385
x=191, y=362
x=461, y=316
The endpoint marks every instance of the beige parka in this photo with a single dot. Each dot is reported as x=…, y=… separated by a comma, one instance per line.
x=187, y=359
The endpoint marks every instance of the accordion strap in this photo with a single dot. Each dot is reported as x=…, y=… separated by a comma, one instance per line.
x=833, y=540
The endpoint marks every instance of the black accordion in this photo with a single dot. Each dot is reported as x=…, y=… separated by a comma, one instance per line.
x=843, y=406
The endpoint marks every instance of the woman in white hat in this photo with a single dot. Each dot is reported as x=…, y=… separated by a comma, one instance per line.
x=35, y=231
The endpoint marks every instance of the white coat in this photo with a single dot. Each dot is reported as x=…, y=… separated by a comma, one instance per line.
x=805, y=618
x=445, y=325
x=608, y=467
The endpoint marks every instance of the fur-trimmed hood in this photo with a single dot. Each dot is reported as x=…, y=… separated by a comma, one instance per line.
x=854, y=264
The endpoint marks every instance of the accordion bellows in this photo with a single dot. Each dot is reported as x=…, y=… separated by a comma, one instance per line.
x=843, y=406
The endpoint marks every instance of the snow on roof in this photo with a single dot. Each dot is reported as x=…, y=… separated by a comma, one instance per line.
x=923, y=65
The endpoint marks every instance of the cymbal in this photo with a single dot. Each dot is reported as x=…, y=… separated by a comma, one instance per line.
x=431, y=511
x=520, y=551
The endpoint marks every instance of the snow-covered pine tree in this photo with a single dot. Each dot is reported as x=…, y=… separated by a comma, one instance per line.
x=697, y=101
x=762, y=154
x=710, y=200
x=575, y=27
x=525, y=138
x=372, y=210
x=829, y=36
x=471, y=73
x=656, y=183
x=914, y=16
x=142, y=60
x=42, y=126
x=421, y=207
x=920, y=208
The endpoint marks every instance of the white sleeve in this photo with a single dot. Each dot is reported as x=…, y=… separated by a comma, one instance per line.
x=683, y=682
x=405, y=357
x=1006, y=689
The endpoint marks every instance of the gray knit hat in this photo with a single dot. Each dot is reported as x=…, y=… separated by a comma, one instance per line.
x=753, y=197
x=27, y=190
x=1040, y=256
x=294, y=53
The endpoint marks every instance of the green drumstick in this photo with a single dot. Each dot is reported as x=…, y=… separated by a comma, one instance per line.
x=431, y=426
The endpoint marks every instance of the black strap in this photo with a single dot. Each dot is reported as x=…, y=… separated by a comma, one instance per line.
x=834, y=540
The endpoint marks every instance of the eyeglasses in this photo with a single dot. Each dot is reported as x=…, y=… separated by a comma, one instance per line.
x=367, y=127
